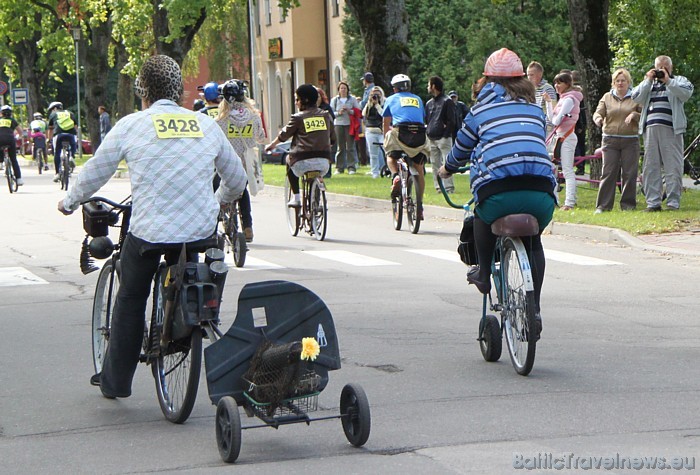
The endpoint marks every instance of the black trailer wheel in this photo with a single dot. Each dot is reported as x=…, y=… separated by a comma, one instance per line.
x=354, y=414
x=491, y=343
x=228, y=429
x=240, y=248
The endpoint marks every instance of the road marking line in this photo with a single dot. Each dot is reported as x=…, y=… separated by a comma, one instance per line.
x=577, y=259
x=437, y=254
x=251, y=263
x=13, y=276
x=352, y=258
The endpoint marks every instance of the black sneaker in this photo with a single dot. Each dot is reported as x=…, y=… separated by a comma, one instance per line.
x=538, y=326
x=651, y=209
x=473, y=278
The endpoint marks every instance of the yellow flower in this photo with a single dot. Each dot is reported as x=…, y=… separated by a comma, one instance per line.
x=309, y=348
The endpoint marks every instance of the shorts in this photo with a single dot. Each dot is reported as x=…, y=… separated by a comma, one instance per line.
x=321, y=165
x=540, y=204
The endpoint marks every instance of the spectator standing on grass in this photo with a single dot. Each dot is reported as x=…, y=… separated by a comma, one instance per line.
x=372, y=113
x=563, y=117
x=535, y=73
x=581, y=124
x=663, y=122
x=368, y=84
x=343, y=105
x=461, y=109
x=440, y=118
x=105, y=123
x=618, y=115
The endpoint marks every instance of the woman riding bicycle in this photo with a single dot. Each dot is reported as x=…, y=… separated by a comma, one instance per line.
x=241, y=122
x=312, y=134
x=503, y=138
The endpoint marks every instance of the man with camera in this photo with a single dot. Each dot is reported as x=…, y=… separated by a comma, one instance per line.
x=662, y=123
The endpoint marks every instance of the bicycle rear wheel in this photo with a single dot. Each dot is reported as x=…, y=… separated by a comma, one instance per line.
x=65, y=172
x=397, y=211
x=411, y=204
x=292, y=213
x=102, y=307
x=10, y=175
x=518, y=313
x=319, y=210
x=177, y=368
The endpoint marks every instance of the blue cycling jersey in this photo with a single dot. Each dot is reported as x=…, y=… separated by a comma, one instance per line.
x=403, y=108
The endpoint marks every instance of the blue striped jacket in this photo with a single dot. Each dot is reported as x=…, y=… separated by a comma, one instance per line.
x=502, y=138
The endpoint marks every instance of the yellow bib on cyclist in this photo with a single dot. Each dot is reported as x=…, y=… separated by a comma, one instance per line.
x=176, y=126
x=64, y=120
x=408, y=102
x=314, y=124
x=6, y=123
x=244, y=132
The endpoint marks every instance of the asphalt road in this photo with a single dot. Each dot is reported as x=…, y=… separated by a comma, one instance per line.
x=616, y=369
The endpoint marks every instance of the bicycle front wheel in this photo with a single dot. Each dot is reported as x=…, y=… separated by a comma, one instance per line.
x=292, y=213
x=319, y=210
x=177, y=368
x=102, y=308
x=518, y=313
x=412, y=203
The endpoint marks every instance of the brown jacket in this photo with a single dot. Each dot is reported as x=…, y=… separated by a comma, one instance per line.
x=312, y=135
x=612, y=111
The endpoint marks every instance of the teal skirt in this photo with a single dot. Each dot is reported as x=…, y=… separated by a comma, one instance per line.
x=537, y=203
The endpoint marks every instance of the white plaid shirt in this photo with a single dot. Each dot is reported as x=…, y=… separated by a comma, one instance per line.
x=171, y=178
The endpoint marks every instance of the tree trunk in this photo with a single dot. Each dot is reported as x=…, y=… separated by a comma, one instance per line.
x=589, y=26
x=31, y=77
x=179, y=47
x=384, y=28
x=125, y=90
x=94, y=60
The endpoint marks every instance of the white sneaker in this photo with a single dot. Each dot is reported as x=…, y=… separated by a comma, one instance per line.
x=294, y=203
x=20, y=182
x=56, y=178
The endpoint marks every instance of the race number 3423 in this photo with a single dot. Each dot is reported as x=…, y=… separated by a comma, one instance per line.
x=175, y=126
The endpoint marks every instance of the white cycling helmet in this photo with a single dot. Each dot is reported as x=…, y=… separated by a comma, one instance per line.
x=401, y=82
x=37, y=115
x=54, y=105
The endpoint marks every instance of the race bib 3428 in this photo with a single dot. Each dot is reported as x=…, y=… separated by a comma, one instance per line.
x=175, y=126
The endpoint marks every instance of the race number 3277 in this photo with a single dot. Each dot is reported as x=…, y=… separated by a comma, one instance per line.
x=313, y=124
x=175, y=126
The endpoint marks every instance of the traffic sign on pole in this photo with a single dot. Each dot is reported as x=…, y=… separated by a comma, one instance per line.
x=20, y=96
x=3, y=87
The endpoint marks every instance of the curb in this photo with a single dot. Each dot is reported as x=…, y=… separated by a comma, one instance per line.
x=581, y=231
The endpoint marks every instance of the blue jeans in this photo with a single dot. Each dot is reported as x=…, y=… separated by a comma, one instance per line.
x=60, y=138
x=376, y=158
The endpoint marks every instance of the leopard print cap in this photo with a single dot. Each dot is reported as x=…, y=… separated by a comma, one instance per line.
x=159, y=78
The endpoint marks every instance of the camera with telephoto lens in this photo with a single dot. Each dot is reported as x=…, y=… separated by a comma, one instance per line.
x=375, y=97
x=659, y=74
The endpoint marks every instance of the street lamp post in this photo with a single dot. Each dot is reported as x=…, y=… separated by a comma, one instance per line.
x=76, y=37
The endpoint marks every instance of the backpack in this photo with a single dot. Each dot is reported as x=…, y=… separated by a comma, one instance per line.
x=64, y=120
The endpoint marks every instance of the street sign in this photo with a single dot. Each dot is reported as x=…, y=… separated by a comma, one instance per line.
x=3, y=87
x=20, y=96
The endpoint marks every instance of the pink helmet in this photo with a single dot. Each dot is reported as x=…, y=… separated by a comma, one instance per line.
x=504, y=63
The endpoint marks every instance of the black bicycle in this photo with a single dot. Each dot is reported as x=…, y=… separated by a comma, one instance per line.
x=407, y=195
x=39, y=153
x=313, y=213
x=232, y=237
x=185, y=304
x=9, y=171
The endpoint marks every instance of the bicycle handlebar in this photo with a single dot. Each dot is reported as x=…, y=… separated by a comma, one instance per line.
x=465, y=207
x=122, y=206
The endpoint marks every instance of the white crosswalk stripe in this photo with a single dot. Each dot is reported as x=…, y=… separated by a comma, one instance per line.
x=438, y=254
x=352, y=258
x=251, y=263
x=13, y=276
x=577, y=259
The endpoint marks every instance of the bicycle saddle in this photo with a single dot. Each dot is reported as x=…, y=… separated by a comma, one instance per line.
x=516, y=225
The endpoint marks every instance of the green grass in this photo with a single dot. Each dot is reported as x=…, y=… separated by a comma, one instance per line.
x=634, y=222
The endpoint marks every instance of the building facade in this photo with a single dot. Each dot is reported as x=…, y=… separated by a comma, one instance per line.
x=305, y=46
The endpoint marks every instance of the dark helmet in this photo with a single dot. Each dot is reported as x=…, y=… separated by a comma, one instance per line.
x=234, y=90
x=198, y=104
x=6, y=111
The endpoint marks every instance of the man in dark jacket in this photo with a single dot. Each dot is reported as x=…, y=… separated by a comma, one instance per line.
x=440, y=118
